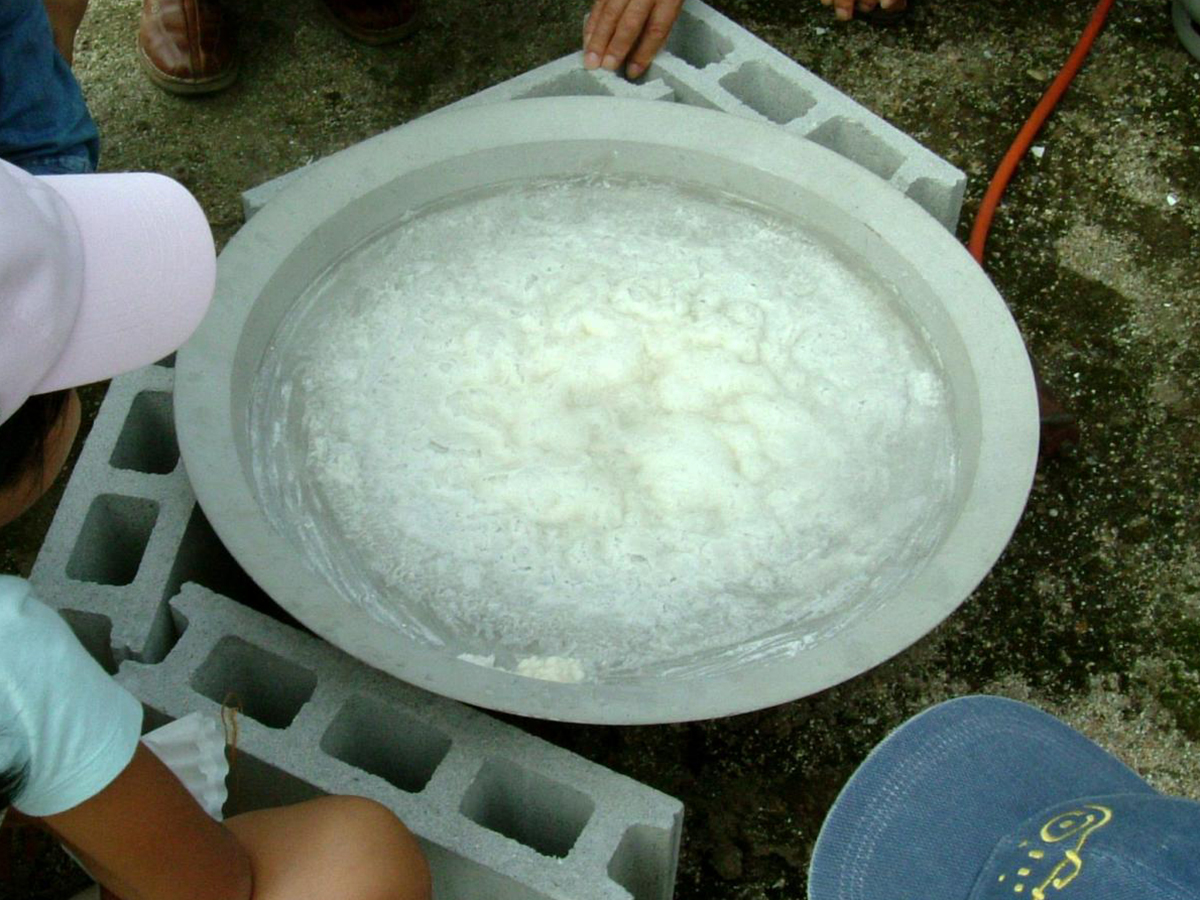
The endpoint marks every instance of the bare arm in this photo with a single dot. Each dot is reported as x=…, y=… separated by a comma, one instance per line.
x=145, y=838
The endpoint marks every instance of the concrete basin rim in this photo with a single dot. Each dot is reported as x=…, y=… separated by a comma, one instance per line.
x=204, y=388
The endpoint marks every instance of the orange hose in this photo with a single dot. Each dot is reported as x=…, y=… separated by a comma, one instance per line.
x=1008, y=165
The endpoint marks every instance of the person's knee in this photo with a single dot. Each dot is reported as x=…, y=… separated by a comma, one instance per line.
x=387, y=862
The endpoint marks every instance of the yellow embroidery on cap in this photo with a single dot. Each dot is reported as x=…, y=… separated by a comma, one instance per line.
x=1077, y=826
x=1074, y=826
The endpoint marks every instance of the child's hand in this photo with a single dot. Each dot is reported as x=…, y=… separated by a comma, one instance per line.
x=845, y=9
x=616, y=27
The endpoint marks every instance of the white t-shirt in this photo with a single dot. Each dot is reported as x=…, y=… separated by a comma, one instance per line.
x=64, y=723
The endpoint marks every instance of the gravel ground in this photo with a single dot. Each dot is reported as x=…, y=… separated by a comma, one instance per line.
x=1093, y=613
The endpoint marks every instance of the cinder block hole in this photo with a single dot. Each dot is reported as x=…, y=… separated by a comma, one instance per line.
x=254, y=784
x=166, y=628
x=641, y=864
x=268, y=688
x=767, y=92
x=203, y=559
x=95, y=633
x=113, y=539
x=855, y=142
x=530, y=808
x=147, y=442
x=683, y=92
x=578, y=83
x=696, y=42
x=934, y=196
x=382, y=740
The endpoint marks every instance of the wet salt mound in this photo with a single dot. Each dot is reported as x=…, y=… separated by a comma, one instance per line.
x=609, y=424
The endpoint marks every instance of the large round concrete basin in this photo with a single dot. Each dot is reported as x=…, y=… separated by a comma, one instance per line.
x=345, y=201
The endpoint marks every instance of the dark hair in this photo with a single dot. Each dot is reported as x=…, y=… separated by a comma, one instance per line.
x=12, y=782
x=23, y=435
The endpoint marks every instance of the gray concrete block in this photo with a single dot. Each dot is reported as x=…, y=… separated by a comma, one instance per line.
x=716, y=63
x=110, y=553
x=711, y=62
x=500, y=813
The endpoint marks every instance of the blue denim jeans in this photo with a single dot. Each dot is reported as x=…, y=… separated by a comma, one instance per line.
x=45, y=127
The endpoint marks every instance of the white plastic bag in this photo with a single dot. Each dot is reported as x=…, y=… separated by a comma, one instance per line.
x=194, y=749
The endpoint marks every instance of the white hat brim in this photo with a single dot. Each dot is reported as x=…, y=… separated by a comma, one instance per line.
x=149, y=269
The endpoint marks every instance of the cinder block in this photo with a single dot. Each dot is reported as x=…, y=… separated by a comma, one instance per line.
x=500, y=813
x=713, y=63
x=109, y=554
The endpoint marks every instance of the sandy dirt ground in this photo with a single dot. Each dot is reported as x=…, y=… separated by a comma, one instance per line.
x=1093, y=613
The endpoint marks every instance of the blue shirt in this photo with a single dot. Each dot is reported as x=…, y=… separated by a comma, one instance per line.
x=66, y=728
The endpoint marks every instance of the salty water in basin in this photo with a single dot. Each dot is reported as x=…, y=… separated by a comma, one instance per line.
x=583, y=428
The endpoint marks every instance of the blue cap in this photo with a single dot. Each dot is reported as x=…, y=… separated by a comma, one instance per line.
x=983, y=798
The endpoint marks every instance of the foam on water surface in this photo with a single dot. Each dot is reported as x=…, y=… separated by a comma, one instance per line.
x=604, y=423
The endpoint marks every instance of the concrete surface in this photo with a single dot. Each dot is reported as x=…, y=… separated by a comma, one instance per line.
x=1094, y=611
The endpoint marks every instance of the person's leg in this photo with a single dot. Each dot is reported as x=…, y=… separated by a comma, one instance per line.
x=65, y=16
x=19, y=494
x=332, y=848
x=45, y=126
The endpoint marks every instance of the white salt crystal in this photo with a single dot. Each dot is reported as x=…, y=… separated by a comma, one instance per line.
x=475, y=659
x=605, y=425
x=551, y=668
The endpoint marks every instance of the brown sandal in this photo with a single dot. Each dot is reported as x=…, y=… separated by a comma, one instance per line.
x=187, y=46
x=374, y=21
